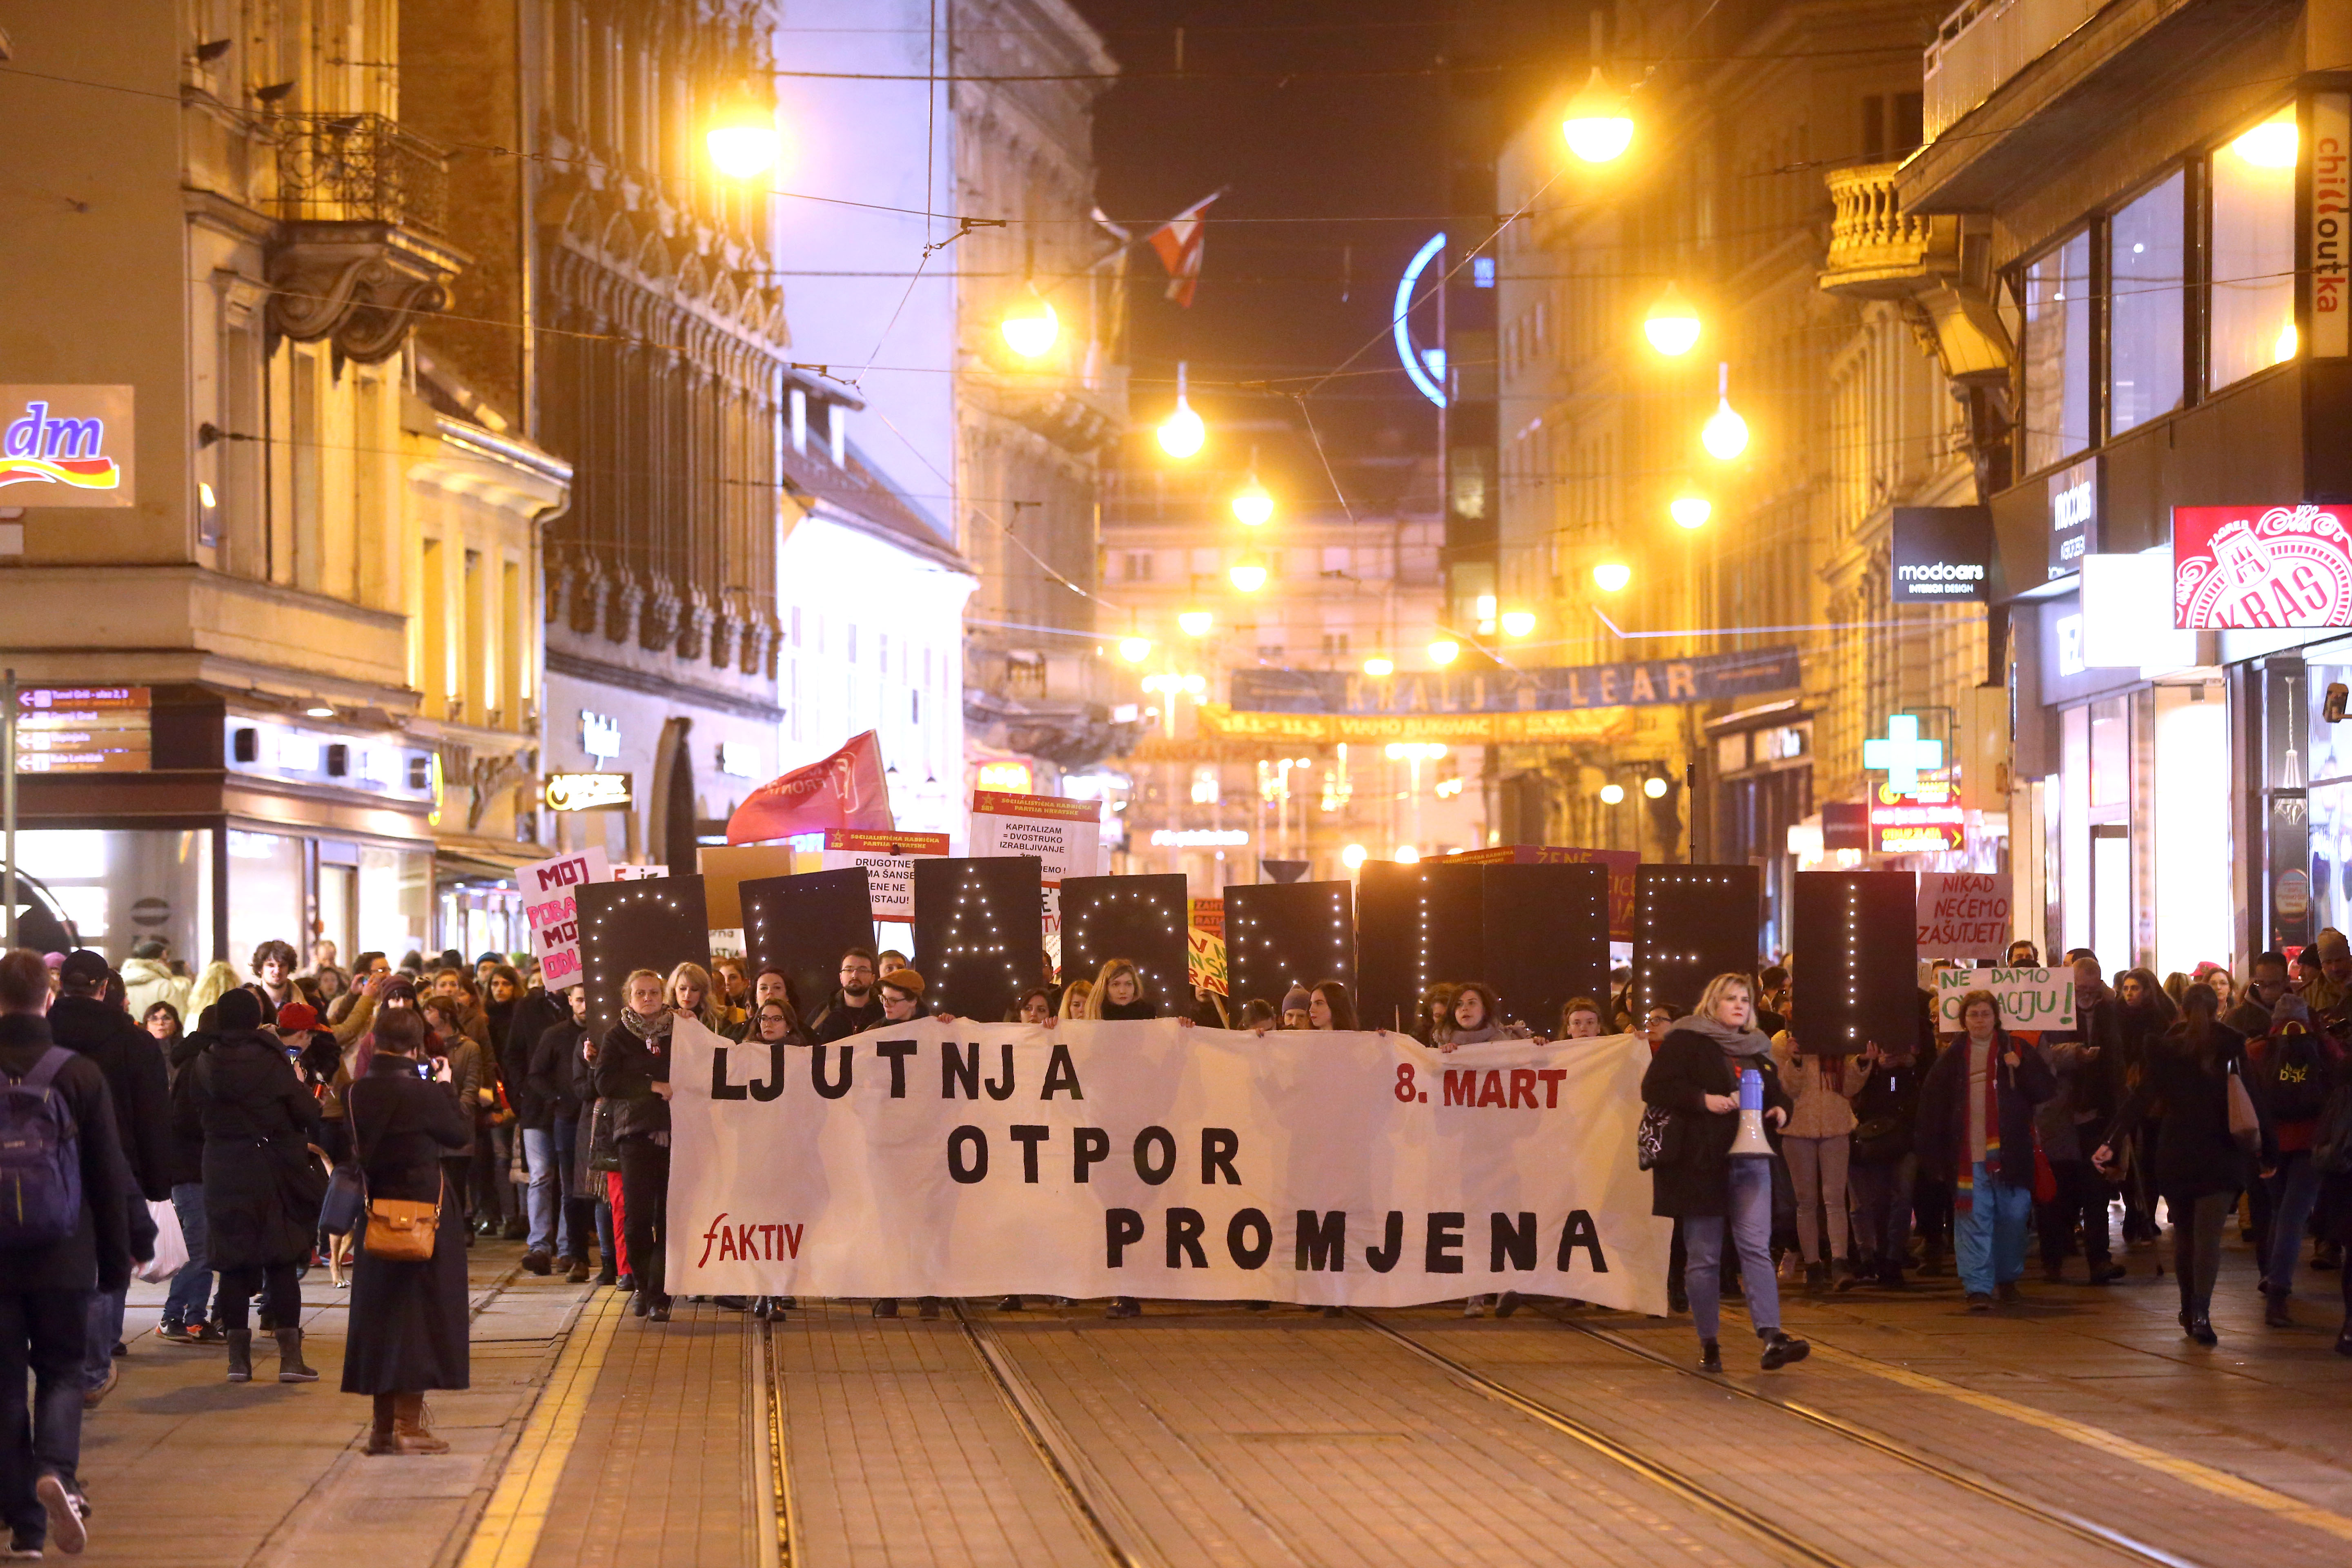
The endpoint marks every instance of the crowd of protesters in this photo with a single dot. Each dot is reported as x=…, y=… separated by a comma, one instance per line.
x=473, y=1104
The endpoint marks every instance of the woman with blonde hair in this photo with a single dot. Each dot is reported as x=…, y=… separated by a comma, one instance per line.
x=1075, y=997
x=633, y=1071
x=688, y=990
x=218, y=979
x=1118, y=992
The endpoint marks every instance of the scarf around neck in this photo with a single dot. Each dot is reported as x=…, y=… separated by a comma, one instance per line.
x=654, y=1028
x=1735, y=1042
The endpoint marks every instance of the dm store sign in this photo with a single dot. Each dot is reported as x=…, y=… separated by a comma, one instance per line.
x=65, y=446
x=2260, y=568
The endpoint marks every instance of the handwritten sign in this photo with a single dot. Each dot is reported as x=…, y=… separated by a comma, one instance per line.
x=1963, y=914
x=2029, y=998
x=550, y=906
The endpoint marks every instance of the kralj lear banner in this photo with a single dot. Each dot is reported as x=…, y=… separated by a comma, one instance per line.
x=1150, y=1158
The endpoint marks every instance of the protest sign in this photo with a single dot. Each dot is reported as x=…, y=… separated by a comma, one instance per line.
x=2029, y=998
x=890, y=861
x=1147, y=1158
x=551, y=908
x=1204, y=943
x=1963, y=914
x=1065, y=836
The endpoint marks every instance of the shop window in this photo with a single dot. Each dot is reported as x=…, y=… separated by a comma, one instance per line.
x=119, y=888
x=2058, y=354
x=266, y=888
x=2253, y=252
x=2146, y=252
x=2110, y=752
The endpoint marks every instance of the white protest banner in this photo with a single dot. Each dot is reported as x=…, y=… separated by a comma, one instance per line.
x=547, y=907
x=1147, y=1158
x=2029, y=998
x=1963, y=914
x=1066, y=834
x=890, y=861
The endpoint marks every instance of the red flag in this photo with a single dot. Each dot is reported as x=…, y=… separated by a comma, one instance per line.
x=845, y=790
x=1178, y=242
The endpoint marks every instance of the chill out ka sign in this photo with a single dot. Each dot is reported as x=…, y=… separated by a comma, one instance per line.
x=1147, y=1158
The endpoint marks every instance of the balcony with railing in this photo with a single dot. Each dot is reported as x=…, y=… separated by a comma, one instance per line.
x=1984, y=43
x=1876, y=249
x=361, y=244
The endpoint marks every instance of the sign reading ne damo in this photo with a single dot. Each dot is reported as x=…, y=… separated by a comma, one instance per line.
x=1646, y=683
x=1942, y=554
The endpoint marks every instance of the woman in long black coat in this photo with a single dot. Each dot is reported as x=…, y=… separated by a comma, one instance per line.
x=258, y=1122
x=408, y=1320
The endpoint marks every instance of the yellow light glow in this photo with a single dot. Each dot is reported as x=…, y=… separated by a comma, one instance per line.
x=2287, y=343
x=1690, y=511
x=1597, y=127
x=1353, y=857
x=1611, y=576
x=1519, y=623
x=1376, y=667
x=1182, y=435
x=1031, y=327
x=2273, y=144
x=1194, y=685
x=1612, y=794
x=1671, y=326
x=1485, y=614
x=1251, y=506
x=1724, y=434
x=1444, y=651
x=1135, y=650
x=1654, y=787
x=1196, y=623
x=1407, y=855
x=1249, y=576
x=745, y=151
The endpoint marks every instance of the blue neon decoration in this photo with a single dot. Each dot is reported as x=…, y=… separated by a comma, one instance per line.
x=1401, y=323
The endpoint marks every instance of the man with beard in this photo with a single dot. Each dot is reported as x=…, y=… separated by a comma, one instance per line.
x=855, y=1007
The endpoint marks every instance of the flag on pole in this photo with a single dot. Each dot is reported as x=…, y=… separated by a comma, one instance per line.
x=845, y=790
x=1179, y=242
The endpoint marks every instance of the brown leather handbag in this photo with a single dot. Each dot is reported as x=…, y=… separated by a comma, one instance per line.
x=402, y=1230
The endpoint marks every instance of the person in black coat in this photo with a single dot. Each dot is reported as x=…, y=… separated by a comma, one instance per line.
x=2196, y=1167
x=855, y=1007
x=633, y=1072
x=551, y=1122
x=408, y=1320
x=260, y=1212
x=187, y=1307
x=1988, y=1161
x=81, y=1019
x=1695, y=1077
x=47, y=1284
x=1885, y=1160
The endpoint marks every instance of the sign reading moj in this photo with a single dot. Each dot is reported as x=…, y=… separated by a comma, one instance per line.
x=550, y=891
x=1147, y=1158
x=2029, y=998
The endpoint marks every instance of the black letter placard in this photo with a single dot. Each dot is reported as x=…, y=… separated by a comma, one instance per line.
x=1281, y=935
x=1857, y=973
x=1547, y=938
x=979, y=931
x=1692, y=923
x=1138, y=918
x=654, y=924
x=802, y=925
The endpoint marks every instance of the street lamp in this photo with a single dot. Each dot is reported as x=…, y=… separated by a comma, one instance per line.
x=1182, y=434
x=1135, y=650
x=1611, y=576
x=2273, y=144
x=745, y=144
x=1443, y=651
x=1251, y=506
x=1673, y=324
x=1353, y=857
x=1654, y=787
x=1689, y=509
x=1196, y=623
x=1612, y=794
x=1408, y=855
x=1724, y=434
x=1597, y=128
x=1379, y=666
x=1031, y=327
x=1248, y=576
x=1519, y=623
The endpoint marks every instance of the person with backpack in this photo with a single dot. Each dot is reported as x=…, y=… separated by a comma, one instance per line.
x=2290, y=1068
x=66, y=1237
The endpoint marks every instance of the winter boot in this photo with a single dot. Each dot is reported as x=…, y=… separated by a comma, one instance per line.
x=240, y=1355
x=290, y=1365
x=380, y=1434
x=408, y=1430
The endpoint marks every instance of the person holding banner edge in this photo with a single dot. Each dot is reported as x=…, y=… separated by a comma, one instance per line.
x=633, y=1072
x=1703, y=1176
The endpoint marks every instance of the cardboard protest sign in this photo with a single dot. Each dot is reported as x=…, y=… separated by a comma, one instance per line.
x=1065, y=835
x=890, y=861
x=1963, y=914
x=2029, y=998
x=551, y=908
x=1204, y=943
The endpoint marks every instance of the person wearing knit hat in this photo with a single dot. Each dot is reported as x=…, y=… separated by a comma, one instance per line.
x=1296, y=1007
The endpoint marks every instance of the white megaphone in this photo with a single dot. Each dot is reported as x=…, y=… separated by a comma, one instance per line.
x=1750, y=1143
